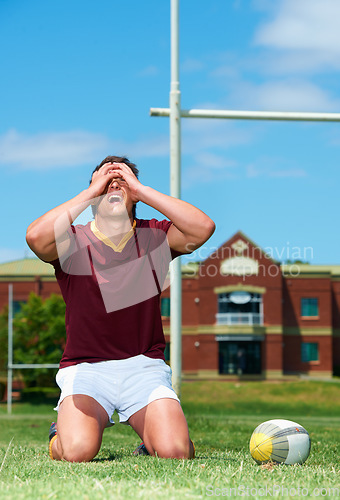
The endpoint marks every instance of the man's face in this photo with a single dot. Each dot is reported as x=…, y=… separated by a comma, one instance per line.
x=116, y=200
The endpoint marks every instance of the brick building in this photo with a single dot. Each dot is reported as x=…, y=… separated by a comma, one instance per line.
x=244, y=315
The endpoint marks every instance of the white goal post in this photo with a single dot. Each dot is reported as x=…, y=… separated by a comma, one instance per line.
x=175, y=113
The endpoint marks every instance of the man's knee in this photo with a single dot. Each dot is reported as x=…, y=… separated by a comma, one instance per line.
x=79, y=451
x=176, y=449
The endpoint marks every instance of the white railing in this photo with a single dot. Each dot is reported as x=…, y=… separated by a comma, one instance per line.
x=239, y=318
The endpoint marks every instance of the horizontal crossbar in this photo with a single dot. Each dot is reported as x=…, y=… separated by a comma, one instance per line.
x=20, y=367
x=250, y=115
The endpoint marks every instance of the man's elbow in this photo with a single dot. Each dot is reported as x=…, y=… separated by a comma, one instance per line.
x=37, y=242
x=211, y=226
x=208, y=230
x=32, y=238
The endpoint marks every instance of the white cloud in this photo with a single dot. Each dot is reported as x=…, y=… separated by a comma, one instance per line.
x=298, y=62
x=308, y=30
x=47, y=150
x=69, y=149
x=206, y=149
x=203, y=134
x=208, y=167
x=73, y=148
x=144, y=147
x=213, y=161
x=274, y=168
x=283, y=95
x=303, y=24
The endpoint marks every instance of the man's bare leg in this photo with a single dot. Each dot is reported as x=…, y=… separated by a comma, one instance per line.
x=163, y=428
x=80, y=426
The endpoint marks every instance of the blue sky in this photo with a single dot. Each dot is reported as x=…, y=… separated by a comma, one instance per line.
x=78, y=81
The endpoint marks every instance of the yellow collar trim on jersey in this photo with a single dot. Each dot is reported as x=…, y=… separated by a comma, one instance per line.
x=121, y=245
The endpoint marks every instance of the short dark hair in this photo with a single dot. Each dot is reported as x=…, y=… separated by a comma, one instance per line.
x=116, y=159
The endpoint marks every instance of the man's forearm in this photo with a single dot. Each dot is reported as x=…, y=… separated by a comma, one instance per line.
x=43, y=233
x=195, y=226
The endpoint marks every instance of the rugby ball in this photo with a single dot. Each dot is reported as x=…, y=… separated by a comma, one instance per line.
x=280, y=441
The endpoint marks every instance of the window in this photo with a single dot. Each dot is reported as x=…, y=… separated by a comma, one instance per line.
x=240, y=308
x=309, y=352
x=165, y=307
x=309, y=307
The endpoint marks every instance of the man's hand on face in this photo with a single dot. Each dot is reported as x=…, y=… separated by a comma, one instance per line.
x=109, y=171
x=100, y=180
x=124, y=174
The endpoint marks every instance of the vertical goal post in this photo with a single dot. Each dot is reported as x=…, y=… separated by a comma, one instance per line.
x=175, y=113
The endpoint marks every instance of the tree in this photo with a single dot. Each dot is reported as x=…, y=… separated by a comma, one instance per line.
x=39, y=337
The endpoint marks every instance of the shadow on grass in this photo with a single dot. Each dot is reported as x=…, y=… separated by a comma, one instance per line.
x=119, y=456
x=112, y=457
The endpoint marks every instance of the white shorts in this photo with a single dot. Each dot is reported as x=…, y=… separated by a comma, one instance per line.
x=125, y=385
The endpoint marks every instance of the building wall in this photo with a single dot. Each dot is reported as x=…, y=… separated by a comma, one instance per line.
x=191, y=353
x=272, y=358
x=191, y=303
x=284, y=327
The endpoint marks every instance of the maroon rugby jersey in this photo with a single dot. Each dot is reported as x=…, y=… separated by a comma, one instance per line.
x=113, y=297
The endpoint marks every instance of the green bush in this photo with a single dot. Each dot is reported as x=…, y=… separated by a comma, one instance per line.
x=40, y=394
x=38, y=337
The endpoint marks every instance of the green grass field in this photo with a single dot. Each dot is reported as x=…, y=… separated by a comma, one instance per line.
x=221, y=418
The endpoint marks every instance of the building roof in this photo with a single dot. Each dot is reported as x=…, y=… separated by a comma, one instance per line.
x=315, y=271
x=26, y=268
x=35, y=267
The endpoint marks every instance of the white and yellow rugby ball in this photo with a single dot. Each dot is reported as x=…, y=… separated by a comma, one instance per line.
x=281, y=441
